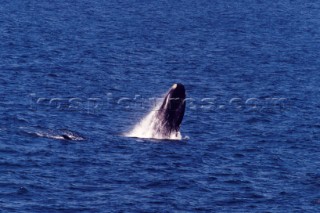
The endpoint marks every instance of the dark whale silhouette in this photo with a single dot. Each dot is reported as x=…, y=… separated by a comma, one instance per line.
x=164, y=120
x=171, y=111
x=59, y=134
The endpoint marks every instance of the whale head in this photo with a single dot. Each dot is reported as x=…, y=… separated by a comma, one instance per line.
x=172, y=109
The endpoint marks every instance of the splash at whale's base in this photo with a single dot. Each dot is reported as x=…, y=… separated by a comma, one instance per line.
x=148, y=127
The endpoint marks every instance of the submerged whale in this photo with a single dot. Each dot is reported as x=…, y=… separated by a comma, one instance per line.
x=59, y=134
x=164, y=121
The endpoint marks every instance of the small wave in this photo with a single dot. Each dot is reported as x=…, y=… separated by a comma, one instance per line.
x=186, y=138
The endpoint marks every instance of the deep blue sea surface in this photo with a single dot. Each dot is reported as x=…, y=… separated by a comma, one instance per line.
x=92, y=70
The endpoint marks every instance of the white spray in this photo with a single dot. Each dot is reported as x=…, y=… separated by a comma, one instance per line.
x=148, y=127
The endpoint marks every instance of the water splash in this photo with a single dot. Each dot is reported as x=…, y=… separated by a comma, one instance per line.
x=149, y=127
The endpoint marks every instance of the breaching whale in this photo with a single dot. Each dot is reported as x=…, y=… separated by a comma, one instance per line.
x=164, y=121
x=171, y=112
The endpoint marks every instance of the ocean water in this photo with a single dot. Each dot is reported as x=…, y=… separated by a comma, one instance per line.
x=91, y=70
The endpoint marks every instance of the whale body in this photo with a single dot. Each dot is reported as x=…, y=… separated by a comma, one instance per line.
x=164, y=121
x=171, y=112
